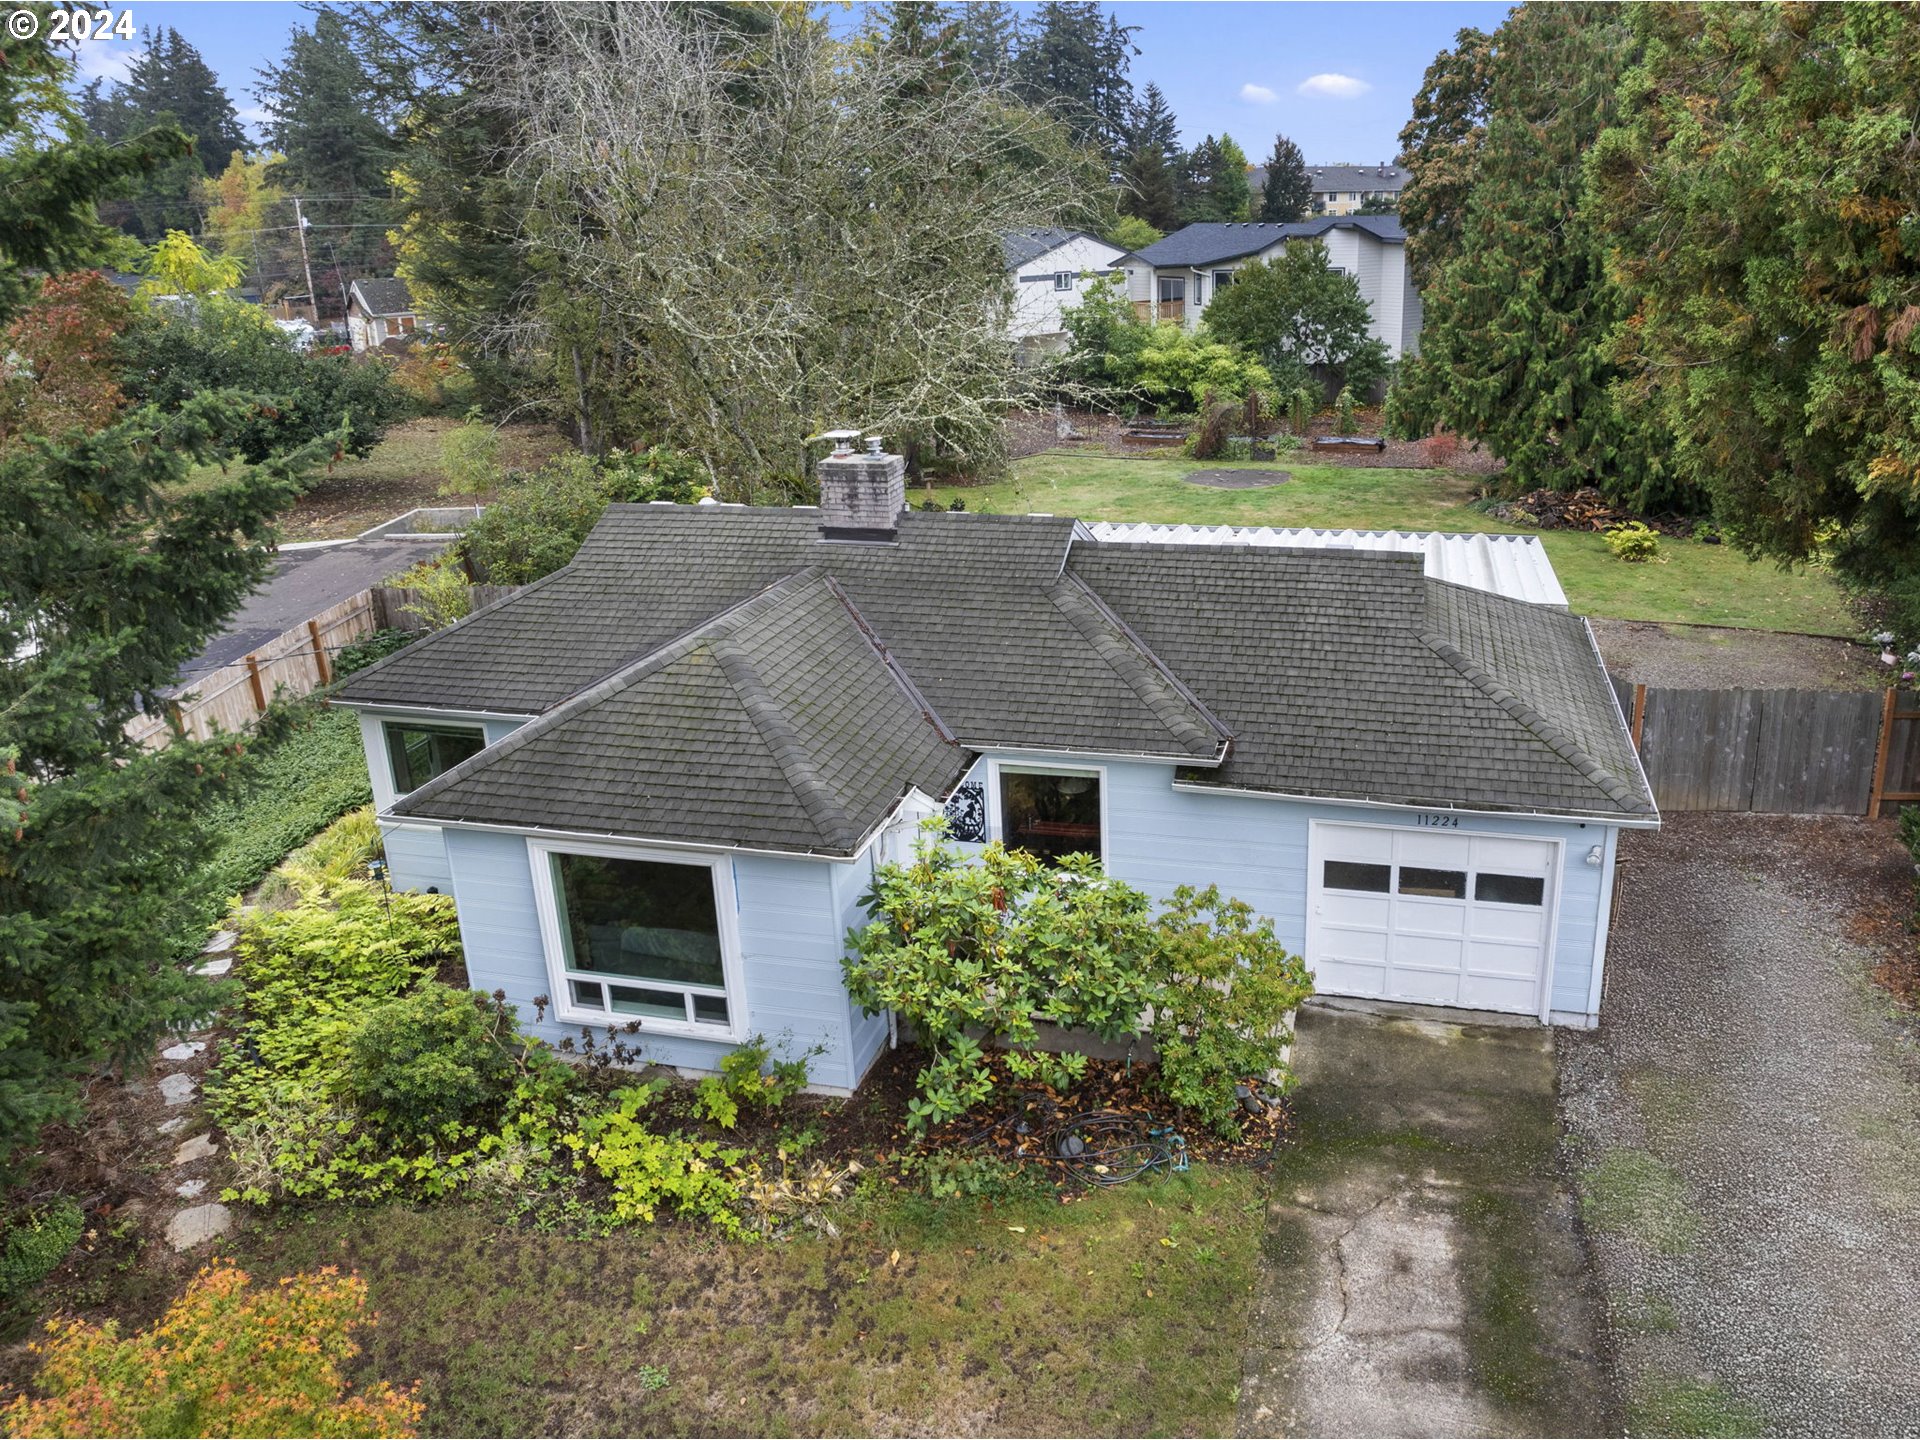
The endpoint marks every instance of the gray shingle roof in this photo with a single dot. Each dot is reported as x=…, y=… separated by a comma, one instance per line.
x=699, y=677
x=1211, y=242
x=1349, y=674
x=387, y=295
x=1022, y=246
x=778, y=724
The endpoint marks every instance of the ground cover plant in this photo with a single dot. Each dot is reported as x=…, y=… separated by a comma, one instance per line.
x=1699, y=584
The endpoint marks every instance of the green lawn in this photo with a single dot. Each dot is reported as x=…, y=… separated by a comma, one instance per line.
x=1690, y=583
x=1125, y=1313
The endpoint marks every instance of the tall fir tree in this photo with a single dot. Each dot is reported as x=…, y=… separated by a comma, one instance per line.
x=989, y=33
x=1198, y=181
x=168, y=82
x=1288, y=192
x=54, y=176
x=1153, y=126
x=1073, y=60
x=1515, y=341
x=1440, y=146
x=324, y=117
x=1150, y=188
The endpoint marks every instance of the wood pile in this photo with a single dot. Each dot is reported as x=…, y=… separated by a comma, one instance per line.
x=1586, y=509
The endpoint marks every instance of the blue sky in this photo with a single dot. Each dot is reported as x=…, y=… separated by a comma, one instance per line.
x=1337, y=77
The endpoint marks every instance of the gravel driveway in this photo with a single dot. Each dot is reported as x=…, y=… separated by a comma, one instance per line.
x=1713, y=657
x=1743, y=1131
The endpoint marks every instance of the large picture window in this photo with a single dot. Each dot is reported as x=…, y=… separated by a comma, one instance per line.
x=1050, y=813
x=642, y=939
x=420, y=752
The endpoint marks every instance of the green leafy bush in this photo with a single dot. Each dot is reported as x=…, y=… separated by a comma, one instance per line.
x=535, y=525
x=38, y=1240
x=1343, y=406
x=1635, y=541
x=303, y=783
x=967, y=950
x=1910, y=830
x=696, y=1178
x=442, y=593
x=1179, y=367
x=470, y=458
x=749, y=1079
x=431, y=1059
x=1226, y=991
x=369, y=649
x=656, y=473
x=1301, y=403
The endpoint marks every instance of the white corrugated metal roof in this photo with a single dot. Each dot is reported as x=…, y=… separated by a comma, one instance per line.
x=1513, y=565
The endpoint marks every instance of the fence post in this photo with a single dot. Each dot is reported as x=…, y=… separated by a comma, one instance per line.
x=1880, y=757
x=253, y=679
x=320, y=665
x=1639, y=714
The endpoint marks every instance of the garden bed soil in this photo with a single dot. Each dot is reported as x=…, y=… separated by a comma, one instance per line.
x=1238, y=479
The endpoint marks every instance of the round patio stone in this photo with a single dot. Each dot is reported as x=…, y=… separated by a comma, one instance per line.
x=199, y=1225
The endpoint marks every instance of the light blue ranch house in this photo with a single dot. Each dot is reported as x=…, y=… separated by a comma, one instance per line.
x=657, y=781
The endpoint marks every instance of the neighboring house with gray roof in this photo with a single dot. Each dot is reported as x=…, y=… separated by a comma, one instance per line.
x=1177, y=278
x=1049, y=271
x=379, y=310
x=657, y=781
x=1343, y=189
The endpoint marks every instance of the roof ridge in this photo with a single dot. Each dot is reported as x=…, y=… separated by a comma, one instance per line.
x=816, y=797
x=1536, y=724
x=1149, y=677
x=588, y=696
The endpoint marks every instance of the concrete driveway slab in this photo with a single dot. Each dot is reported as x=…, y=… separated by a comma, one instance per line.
x=1425, y=1275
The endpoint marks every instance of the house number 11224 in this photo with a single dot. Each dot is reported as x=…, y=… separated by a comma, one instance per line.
x=1444, y=822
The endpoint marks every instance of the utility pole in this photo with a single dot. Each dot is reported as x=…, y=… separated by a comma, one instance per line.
x=300, y=225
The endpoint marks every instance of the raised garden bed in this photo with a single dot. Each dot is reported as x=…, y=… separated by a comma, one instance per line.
x=1148, y=433
x=1343, y=443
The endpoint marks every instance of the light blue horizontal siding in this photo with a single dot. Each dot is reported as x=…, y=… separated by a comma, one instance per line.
x=417, y=859
x=1255, y=849
x=789, y=941
x=868, y=1032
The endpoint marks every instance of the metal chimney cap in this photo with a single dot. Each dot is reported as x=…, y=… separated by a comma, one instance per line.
x=873, y=444
x=842, y=440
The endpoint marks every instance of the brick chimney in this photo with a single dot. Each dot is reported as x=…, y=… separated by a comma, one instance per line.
x=861, y=494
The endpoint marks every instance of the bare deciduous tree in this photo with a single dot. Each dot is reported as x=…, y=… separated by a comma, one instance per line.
x=745, y=238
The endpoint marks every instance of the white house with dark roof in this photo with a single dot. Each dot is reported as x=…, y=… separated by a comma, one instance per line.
x=379, y=310
x=1343, y=189
x=1177, y=278
x=657, y=781
x=1049, y=271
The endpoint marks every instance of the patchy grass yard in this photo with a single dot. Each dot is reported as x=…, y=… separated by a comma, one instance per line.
x=1124, y=1313
x=1691, y=583
x=403, y=472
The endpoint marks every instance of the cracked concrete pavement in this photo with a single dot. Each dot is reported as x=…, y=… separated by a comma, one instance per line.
x=1425, y=1275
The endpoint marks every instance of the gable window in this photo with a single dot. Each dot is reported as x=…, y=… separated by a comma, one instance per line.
x=1050, y=813
x=419, y=752
x=640, y=938
x=1172, y=287
x=1063, y=279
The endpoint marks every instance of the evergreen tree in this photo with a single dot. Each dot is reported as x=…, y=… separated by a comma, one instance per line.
x=1288, y=192
x=1073, y=60
x=988, y=31
x=168, y=82
x=52, y=175
x=1198, y=181
x=1232, y=191
x=1150, y=190
x=925, y=31
x=1440, y=145
x=1514, y=347
x=323, y=116
x=1763, y=232
x=1154, y=126
x=1299, y=313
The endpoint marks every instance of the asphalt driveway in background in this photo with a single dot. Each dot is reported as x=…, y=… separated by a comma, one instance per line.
x=303, y=583
x=1424, y=1271
x=1743, y=1130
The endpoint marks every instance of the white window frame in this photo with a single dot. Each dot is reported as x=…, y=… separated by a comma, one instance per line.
x=541, y=860
x=1065, y=279
x=1218, y=283
x=996, y=817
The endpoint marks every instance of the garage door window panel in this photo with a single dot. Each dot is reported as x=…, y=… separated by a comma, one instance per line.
x=1358, y=876
x=1433, y=884
x=1509, y=889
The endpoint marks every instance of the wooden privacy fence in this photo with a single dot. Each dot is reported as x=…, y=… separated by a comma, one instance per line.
x=1790, y=752
x=297, y=662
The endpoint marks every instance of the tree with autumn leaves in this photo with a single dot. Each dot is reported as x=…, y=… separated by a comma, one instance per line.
x=228, y=1358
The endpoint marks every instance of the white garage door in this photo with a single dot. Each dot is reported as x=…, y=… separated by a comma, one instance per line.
x=1438, y=917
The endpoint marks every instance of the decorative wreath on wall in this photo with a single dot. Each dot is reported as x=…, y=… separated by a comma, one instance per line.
x=967, y=813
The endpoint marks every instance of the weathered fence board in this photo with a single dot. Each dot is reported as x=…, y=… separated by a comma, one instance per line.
x=391, y=604
x=1698, y=748
x=1815, y=752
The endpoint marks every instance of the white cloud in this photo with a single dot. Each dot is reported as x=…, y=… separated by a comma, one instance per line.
x=94, y=61
x=253, y=114
x=1334, y=87
x=1257, y=95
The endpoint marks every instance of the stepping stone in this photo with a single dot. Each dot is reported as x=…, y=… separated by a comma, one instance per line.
x=201, y=1147
x=185, y=1050
x=167, y=1127
x=214, y=968
x=178, y=1089
x=221, y=942
x=198, y=1225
